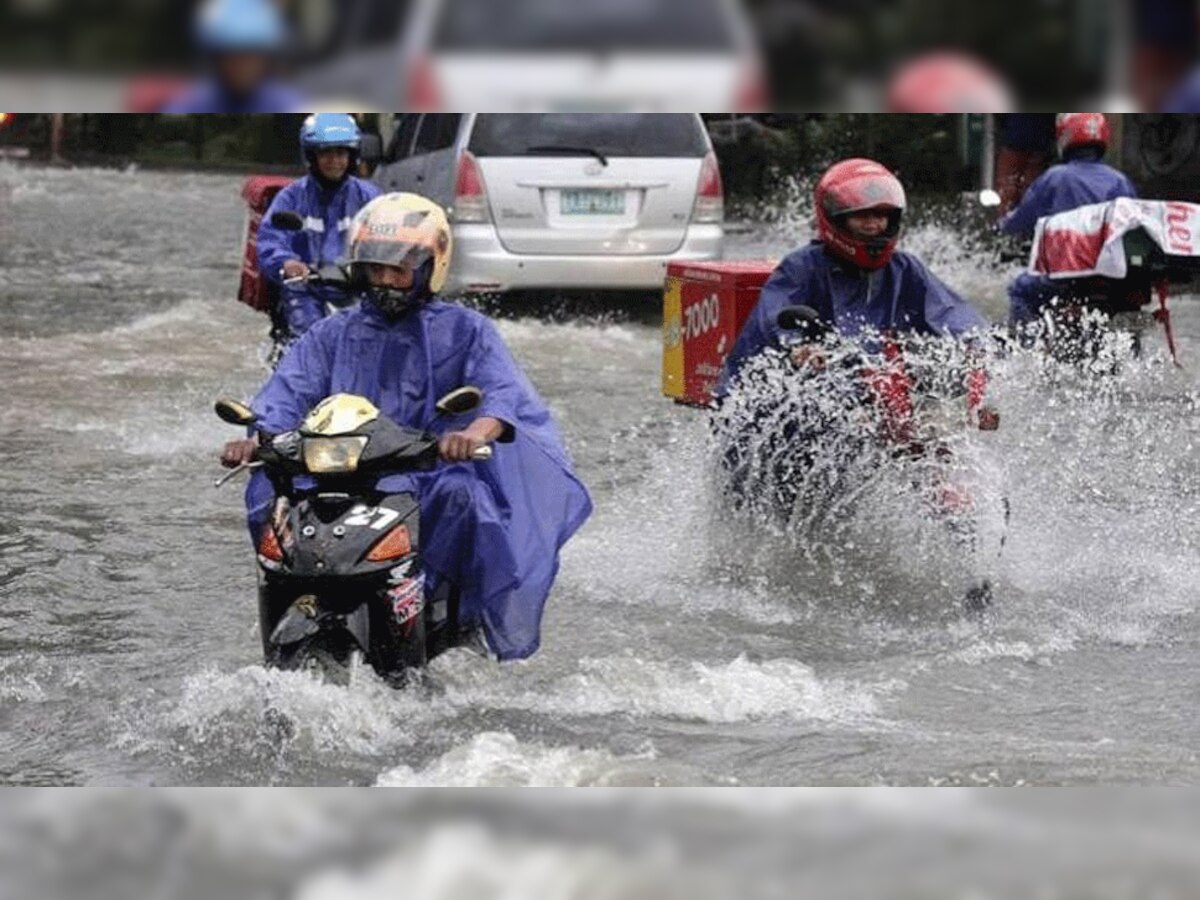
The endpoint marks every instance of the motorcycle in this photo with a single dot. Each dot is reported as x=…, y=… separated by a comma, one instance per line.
x=339, y=564
x=1077, y=323
x=332, y=277
x=820, y=447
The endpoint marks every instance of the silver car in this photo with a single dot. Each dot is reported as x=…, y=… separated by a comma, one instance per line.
x=563, y=200
x=579, y=55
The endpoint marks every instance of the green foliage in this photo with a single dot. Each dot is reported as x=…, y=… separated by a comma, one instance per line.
x=762, y=156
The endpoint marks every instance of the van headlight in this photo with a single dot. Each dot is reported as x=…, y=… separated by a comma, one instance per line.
x=333, y=456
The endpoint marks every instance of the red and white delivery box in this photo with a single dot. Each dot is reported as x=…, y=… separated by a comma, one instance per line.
x=705, y=305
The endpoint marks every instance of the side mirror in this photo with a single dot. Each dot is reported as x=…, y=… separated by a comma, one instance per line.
x=461, y=401
x=989, y=198
x=803, y=319
x=235, y=413
x=286, y=220
x=371, y=150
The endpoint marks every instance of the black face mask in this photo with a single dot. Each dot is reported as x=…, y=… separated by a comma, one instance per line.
x=395, y=303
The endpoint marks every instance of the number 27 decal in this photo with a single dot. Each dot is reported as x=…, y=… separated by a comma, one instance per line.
x=377, y=519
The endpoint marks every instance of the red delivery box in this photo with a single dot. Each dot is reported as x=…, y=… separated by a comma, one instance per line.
x=258, y=192
x=705, y=305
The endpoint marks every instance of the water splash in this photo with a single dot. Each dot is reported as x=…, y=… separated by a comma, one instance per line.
x=463, y=862
x=498, y=759
x=267, y=719
x=830, y=459
x=738, y=691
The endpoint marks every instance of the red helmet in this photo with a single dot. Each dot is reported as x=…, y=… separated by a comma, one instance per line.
x=947, y=83
x=1073, y=130
x=857, y=185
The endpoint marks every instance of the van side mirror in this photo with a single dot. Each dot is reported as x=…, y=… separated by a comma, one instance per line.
x=371, y=150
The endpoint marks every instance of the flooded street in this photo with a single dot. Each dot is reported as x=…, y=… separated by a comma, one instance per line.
x=682, y=644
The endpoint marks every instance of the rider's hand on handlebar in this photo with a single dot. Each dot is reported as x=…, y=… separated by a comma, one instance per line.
x=808, y=355
x=458, y=446
x=239, y=453
x=293, y=268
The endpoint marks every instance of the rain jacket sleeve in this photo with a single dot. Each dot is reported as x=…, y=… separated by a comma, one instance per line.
x=1032, y=207
x=541, y=501
x=302, y=380
x=506, y=389
x=323, y=240
x=276, y=246
x=946, y=313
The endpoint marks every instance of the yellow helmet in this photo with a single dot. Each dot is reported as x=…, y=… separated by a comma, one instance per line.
x=403, y=230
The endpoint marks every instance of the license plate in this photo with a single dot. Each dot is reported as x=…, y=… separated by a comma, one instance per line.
x=592, y=203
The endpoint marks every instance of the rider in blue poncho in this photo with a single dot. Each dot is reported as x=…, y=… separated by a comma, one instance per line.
x=327, y=199
x=1080, y=179
x=241, y=42
x=493, y=529
x=851, y=274
x=858, y=285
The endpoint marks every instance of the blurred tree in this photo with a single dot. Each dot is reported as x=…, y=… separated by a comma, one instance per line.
x=758, y=153
x=839, y=53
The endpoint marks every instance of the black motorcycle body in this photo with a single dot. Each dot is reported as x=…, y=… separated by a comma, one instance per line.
x=340, y=572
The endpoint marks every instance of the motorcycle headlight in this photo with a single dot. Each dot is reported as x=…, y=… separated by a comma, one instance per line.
x=333, y=456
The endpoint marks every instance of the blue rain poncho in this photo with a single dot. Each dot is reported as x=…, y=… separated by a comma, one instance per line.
x=1066, y=186
x=1185, y=97
x=209, y=96
x=493, y=529
x=327, y=216
x=902, y=296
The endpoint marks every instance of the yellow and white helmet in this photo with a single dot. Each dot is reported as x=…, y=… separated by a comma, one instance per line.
x=403, y=230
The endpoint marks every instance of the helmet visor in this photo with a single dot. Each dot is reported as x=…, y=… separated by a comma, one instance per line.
x=318, y=146
x=387, y=241
x=868, y=191
x=402, y=254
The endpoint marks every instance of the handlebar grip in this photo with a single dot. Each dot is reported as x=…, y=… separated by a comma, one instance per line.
x=483, y=454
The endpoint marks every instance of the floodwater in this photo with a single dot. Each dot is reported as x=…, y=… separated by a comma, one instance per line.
x=754, y=844
x=683, y=644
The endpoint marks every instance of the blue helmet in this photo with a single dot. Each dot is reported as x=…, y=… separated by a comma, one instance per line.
x=229, y=26
x=325, y=131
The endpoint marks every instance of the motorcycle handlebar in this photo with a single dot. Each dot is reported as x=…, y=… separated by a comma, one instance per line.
x=317, y=278
x=483, y=454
